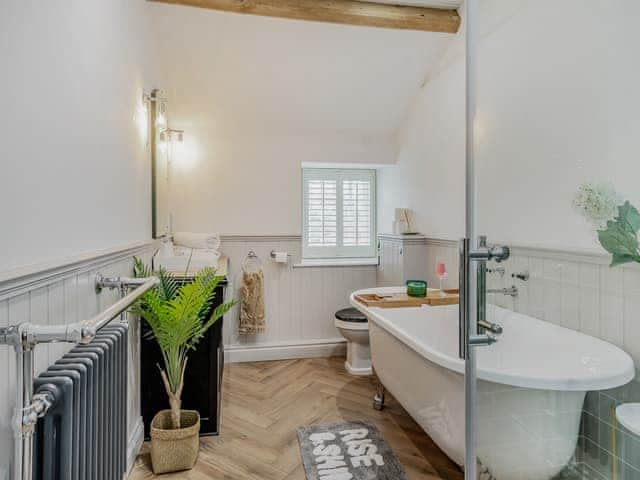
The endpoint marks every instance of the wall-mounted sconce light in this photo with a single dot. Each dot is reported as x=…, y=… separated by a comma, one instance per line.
x=176, y=140
x=176, y=135
x=170, y=141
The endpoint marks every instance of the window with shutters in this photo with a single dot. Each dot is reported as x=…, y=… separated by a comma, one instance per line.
x=339, y=213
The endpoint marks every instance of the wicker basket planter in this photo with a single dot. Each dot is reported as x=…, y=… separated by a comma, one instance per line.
x=174, y=450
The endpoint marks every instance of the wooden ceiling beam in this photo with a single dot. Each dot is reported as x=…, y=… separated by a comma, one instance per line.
x=349, y=12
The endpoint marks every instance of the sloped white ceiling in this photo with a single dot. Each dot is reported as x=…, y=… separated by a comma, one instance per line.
x=245, y=72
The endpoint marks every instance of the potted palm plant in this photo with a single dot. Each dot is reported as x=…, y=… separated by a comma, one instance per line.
x=178, y=317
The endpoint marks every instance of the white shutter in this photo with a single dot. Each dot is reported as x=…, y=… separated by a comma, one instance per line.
x=356, y=213
x=322, y=213
x=338, y=213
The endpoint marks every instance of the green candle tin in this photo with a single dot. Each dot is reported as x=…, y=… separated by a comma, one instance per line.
x=416, y=288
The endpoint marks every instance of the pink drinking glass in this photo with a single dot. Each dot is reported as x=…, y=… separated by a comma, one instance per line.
x=441, y=271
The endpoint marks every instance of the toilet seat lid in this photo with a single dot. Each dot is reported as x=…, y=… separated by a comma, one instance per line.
x=351, y=315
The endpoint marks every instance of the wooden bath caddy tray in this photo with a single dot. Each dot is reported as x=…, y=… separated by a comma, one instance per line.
x=399, y=300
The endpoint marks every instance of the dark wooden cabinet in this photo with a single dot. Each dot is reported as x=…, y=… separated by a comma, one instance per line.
x=203, y=377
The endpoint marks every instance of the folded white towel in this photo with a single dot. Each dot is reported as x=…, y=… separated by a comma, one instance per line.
x=208, y=241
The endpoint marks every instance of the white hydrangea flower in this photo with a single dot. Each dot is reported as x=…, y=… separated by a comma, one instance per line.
x=598, y=203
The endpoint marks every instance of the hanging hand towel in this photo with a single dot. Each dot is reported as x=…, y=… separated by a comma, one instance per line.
x=252, y=303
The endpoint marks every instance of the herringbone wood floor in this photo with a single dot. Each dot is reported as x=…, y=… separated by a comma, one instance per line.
x=264, y=403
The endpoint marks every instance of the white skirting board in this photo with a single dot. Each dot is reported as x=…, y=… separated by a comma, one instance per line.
x=285, y=350
x=134, y=444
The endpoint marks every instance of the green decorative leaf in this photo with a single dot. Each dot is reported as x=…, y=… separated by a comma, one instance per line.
x=618, y=240
x=618, y=259
x=629, y=217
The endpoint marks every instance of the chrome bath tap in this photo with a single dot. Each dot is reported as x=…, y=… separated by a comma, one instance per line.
x=512, y=291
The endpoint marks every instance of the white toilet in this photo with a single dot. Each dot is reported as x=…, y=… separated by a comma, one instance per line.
x=354, y=327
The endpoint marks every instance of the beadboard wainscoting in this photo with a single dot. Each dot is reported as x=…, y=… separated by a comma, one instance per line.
x=62, y=293
x=300, y=302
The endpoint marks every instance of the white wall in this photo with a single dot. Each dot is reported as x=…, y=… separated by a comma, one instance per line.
x=75, y=168
x=557, y=105
x=252, y=184
x=259, y=96
x=428, y=177
x=555, y=110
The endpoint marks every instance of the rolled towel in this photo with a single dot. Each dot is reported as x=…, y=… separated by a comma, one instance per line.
x=205, y=241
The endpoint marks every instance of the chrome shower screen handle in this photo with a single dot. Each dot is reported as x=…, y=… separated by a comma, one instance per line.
x=463, y=310
x=468, y=336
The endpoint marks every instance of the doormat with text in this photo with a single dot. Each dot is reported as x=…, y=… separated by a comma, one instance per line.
x=347, y=451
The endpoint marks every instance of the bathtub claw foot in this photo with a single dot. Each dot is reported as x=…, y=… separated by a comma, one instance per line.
x=378, y=399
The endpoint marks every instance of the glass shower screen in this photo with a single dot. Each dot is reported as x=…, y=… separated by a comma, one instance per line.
x=554, y=172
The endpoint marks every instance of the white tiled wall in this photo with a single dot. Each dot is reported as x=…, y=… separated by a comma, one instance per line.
x=300, y=302
x=60, y=300
x=580, y=292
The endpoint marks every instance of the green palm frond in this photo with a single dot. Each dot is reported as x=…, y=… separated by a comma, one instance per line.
x=168, y=284
x=178, y=317
x=140, y=269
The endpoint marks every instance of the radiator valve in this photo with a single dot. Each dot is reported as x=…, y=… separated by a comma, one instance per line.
x=40, y=405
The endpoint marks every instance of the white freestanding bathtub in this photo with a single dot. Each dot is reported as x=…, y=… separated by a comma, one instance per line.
x=531, y=383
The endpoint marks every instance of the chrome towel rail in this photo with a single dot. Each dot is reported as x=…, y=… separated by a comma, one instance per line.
x=25, y=336
x=121, y=283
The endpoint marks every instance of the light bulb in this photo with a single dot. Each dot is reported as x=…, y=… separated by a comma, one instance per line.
x=162, y=143
x=161, y=121
x=178, y=145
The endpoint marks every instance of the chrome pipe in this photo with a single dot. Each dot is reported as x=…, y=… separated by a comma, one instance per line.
x=18, y=448
x=27, y=429
x=23, y=433
x=29, y=408
x=90, y=327
x=83, y=332
x=123, y=284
